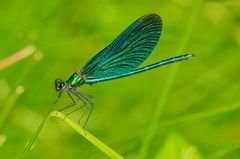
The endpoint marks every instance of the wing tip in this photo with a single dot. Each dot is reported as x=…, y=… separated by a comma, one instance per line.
x=153, y=15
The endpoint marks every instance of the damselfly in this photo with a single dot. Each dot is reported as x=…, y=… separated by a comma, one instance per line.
x=119, y=59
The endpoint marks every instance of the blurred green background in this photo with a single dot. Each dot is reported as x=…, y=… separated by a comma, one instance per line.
x=193, y=106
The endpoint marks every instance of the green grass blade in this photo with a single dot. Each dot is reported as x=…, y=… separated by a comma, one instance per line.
x=33, y=138
x=170, y=78
x=99, y=144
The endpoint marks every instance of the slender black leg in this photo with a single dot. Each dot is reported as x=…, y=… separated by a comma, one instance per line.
x=89, y=114
x=74, y=103
x=91, y=106
x=86, y=95
x=55, y=102
x=79, y=98
x=70, y=105
x=76, y=110
x=59, y=95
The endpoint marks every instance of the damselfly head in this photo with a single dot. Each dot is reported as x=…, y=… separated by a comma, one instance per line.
x=59, y=84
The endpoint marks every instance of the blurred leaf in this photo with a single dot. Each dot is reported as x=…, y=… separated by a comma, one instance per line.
x=4, y=89
x=176, y=147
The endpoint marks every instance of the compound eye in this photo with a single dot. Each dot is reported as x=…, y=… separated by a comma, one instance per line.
x=58, y=87
x=59, y=84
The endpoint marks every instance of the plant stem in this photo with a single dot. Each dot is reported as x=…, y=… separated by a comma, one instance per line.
x=99, y=144
x=33, y=138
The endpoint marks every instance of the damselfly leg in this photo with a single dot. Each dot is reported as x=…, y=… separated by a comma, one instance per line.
x=87, y=101
x=70, y=105
x=89, y=105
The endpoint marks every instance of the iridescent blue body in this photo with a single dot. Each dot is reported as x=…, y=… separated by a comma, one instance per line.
x=77, y=80
x=120, y=58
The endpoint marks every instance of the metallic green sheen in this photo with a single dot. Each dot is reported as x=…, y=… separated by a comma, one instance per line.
x=75, y=80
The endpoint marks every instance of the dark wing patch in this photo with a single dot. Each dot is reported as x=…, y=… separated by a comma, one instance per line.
x=129, y=50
